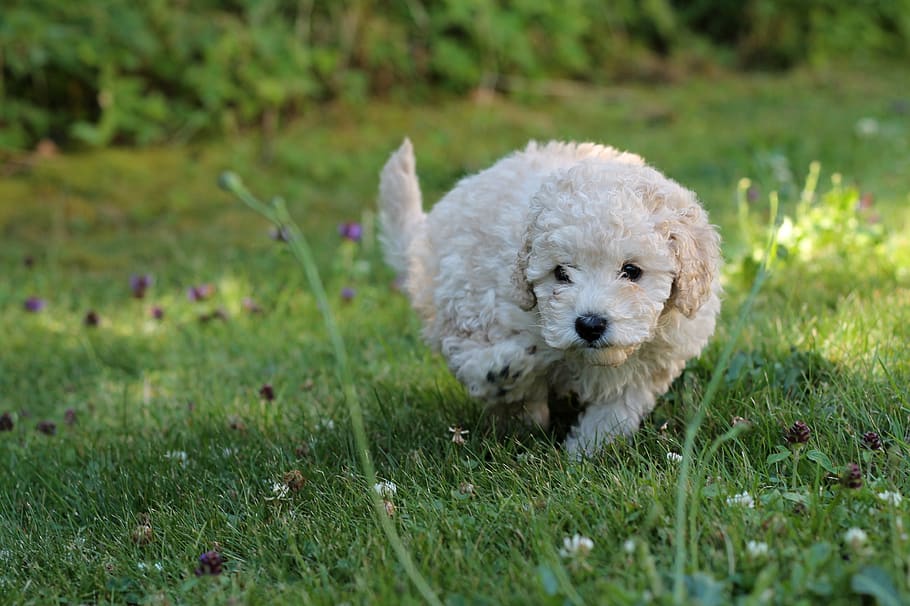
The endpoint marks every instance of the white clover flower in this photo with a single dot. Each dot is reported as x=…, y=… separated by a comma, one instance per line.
x=757, y=549
x=867, y=127
x=385, y=489
x=856, y=538
x=673, y=457
x=576, y=546
x=893, y=498
x=743, y=499
x=280, y=491
x=629, y=546
x=178, y=456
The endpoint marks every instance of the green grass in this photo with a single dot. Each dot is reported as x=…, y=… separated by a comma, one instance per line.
x=825, y=344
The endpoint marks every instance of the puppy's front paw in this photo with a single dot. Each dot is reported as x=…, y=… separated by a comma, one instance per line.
x=498, y=373
x=598, y=425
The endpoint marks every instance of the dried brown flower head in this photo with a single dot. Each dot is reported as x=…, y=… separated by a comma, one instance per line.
x=294, y=480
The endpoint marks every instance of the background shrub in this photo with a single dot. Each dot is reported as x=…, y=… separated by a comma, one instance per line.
x=116, y=71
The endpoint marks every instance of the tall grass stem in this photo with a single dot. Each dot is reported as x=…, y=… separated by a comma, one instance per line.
x=278, y=214
x=682, y=485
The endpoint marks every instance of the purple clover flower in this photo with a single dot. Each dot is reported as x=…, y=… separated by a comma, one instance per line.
x=48, y=428
x=267, y=392
x=200, y=292
x=250, y=305
x=872, y=441
x=351, y=230
x=852, y=476
x=797, y=434
x=92, y=318
x=140, y=283
x=215, y=314
x=157, y=312
x=348, y=293
x=34, y=304
x=210, y=563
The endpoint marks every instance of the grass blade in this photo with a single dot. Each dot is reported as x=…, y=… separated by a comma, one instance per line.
x=277, y=213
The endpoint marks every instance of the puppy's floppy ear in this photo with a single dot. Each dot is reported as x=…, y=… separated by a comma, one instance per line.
x=696, y=247
x=523, y=290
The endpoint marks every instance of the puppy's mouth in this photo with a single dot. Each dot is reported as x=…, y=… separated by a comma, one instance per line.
x=605, y=354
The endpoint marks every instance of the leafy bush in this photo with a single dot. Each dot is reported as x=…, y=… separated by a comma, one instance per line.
x=115, y=71
x=782, y=33
x=827, y=235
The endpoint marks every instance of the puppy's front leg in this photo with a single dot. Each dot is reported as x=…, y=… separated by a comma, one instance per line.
x=602, y=421
x=508, y=372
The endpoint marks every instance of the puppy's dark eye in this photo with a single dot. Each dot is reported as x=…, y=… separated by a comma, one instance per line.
x=561, y=275
x=630, y=272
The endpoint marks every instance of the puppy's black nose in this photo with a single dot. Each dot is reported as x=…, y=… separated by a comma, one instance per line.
x=590, y=328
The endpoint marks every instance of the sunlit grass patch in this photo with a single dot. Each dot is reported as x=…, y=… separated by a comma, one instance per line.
x=161, y=424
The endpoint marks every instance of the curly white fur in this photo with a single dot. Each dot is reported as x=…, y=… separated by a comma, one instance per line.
x=565, y=269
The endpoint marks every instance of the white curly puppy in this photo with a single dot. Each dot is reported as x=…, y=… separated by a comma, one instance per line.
x=564, y=270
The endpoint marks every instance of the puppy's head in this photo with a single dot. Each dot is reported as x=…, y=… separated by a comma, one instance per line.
x=610, y=248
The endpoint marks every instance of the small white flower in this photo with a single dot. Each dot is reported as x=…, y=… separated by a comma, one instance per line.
x=158, y=566
x=576, y=546
x=743, y=499
x=629, y=546
x=867, y=127
x=757, y=549
x=280, y=491
x=178, y=456
x=385, y=489
x=894, y=498
x=326, y=424
x=141, y=565
x=673, y=457
x=458, y=434
x=856, y=538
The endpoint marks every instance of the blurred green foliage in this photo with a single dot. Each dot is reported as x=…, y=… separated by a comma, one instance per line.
x=116, y=71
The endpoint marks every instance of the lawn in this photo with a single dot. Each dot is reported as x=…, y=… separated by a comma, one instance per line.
x=139, y=432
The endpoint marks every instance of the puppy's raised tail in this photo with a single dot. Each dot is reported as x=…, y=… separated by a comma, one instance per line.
x=401, y=216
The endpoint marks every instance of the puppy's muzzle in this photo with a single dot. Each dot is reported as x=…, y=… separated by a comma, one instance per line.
x=591, y=327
